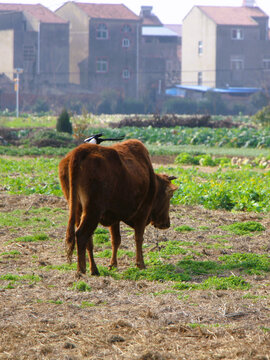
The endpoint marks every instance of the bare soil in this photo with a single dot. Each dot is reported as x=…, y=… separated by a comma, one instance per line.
x=130, y=319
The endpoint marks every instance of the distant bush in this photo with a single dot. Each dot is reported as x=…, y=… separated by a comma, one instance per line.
x=41, y=106
x=180, y=106
x=48, y=137
x=201, y=159
x=259, y=100
x=63, y=123
x=131, y=106
x=263, y=116
x=185, y=158
x=104, y=107
x=211, y=104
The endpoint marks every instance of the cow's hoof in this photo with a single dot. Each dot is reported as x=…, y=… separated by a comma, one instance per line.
x=141, y=266
x=79, y=275
x=95, y=272
x=112, y=266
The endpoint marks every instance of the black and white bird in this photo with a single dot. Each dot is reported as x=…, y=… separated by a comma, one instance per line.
x=96, y=139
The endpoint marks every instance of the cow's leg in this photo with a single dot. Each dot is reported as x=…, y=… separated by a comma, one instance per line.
x=84, y=240
x=92, y=264
x=70, y=237
x=116, y=241
x=139, y=231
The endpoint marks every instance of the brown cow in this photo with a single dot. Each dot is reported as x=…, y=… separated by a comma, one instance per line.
x=107, y=185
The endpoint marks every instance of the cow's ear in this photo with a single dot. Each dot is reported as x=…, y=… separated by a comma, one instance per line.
x=172, y=177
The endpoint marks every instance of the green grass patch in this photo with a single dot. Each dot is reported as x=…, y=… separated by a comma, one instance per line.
x=81, y=286
x=244, y=228
x=32, y=238
x=169, y=249
x=265, y=329
x=166, y=272
x=104, y=271
x=254, y=297
x=10, y=254
x=212, y=273
x=226, y=283
x=62, y=267
x=101, y=237
x=183, y=228
x=204, y=228
x=28, y=121
x=215, y=283
x=248, y=262
x=56, y=302
x=220, y=238
x=36, y=220
x=107, y=253
x=87, y=304
x=194, y=267
x=15, y=279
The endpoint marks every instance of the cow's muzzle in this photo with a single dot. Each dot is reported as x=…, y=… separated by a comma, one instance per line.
x=162, y=226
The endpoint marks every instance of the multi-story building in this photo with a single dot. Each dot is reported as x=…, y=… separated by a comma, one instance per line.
x=104, y=46
x=160, y=50
x=226, y=46
x=36, y=41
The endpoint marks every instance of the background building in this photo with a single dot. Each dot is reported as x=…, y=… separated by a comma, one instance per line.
x=160, y=54
x=226, y=47
x=104, y=47
x=35, y=40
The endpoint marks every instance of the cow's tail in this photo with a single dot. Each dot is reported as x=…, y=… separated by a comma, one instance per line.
x=70, y=234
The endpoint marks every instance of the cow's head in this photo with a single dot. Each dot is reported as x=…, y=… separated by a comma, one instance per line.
x=160, y=211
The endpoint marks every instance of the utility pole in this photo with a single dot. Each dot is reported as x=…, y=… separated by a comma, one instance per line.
x=17, y=71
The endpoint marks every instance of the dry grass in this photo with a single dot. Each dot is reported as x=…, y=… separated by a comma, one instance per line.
x=120, y=319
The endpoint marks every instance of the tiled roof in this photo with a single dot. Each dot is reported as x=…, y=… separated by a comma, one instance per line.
x=229, y=15
x=107, y=11
x=176, y=28
x=38, y=11
x=151, y=20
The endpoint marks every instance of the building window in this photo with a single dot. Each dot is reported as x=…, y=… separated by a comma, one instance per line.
x=200, y=47
x=126, y=29
x=166, y=39
x=125, y=43
x=237, y=34
x=148, y=40
x=200, y=79
x=28, y=53
x=237, y=63
x=126, y=74
x=101, y=66
x=102, y=32
x=266, y=64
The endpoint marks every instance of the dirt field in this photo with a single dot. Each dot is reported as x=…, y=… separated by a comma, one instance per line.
x=121, y=319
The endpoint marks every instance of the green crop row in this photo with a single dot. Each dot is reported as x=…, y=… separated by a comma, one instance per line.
x=240, y=190
x=30, y=176
x=222, y=137
x=245, y=189
x=232, y=138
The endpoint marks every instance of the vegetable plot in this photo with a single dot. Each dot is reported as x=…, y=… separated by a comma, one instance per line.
x=229, y=189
